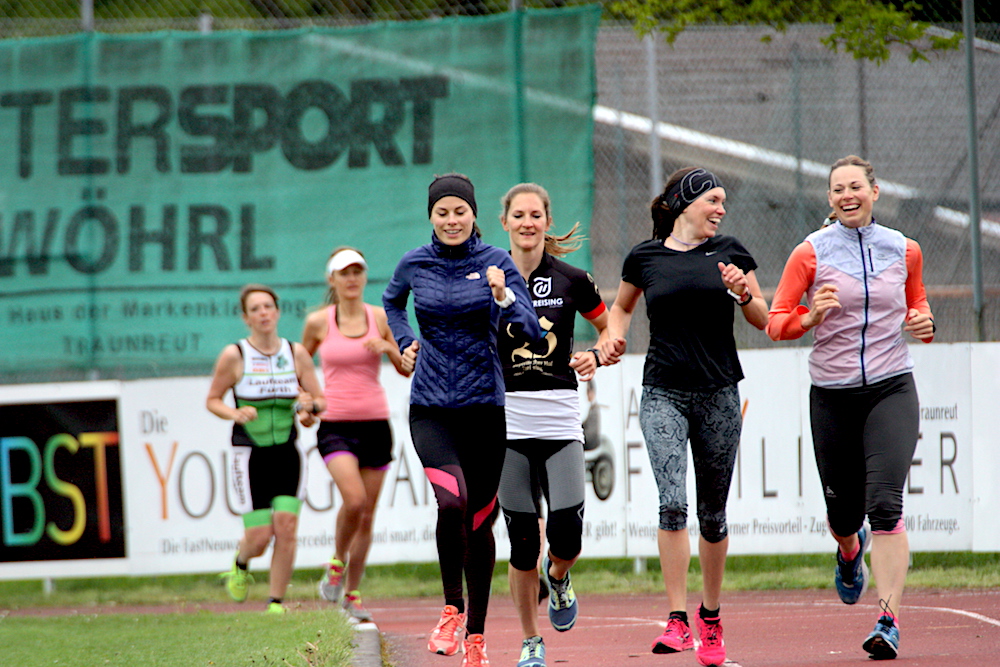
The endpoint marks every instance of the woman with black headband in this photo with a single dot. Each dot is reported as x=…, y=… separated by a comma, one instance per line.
x=693, y=280
x=464, y=290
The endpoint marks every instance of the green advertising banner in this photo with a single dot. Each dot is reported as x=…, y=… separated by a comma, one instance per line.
x=146, y=178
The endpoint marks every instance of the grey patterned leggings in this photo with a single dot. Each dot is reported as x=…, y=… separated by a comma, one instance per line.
x=712, y=421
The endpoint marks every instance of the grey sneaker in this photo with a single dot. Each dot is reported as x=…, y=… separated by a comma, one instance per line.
x=331, y=586
x=353, y=607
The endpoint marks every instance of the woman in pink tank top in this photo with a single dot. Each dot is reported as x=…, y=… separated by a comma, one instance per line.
x=354, y=437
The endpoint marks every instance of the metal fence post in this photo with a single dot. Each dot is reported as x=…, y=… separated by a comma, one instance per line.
x=655, y=162
x=205, y=21
x=87, y=15
x=969, y=27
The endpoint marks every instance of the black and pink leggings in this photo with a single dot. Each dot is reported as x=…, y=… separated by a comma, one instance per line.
x=462, y=452
x=864, y=439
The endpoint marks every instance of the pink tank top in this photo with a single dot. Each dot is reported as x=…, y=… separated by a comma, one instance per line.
x=351, y=372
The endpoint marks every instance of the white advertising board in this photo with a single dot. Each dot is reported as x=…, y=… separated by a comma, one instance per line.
x=177, y=516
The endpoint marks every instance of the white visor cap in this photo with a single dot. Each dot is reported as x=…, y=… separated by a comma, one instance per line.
x=344, y=259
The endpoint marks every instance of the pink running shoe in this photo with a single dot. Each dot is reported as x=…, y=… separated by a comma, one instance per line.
x=711, y=652
x=676, y=637
x=446, y=638
x=475, y=652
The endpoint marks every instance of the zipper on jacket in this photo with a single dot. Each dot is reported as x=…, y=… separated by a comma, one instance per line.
x=864, y=327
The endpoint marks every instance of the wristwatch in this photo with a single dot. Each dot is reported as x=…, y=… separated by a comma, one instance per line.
x=740, y=299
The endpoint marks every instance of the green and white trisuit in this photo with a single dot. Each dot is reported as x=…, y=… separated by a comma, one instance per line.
x=266, y=470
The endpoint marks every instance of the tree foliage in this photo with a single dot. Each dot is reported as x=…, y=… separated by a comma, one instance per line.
x=863, y=28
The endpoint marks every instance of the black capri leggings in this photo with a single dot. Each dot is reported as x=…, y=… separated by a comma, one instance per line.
x=462, y=452
x=864, y=439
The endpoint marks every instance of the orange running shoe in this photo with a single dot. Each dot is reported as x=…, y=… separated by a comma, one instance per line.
x=475, y=652
x=446, y=638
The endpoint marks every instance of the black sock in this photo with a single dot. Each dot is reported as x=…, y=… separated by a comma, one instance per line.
x=708, y=615
x=242, y=566
x=679, y=615
x=272, y=600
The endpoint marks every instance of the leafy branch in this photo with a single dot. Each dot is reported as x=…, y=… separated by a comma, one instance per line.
x=864, y=28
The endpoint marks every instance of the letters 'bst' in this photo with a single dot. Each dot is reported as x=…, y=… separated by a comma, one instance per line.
x=26, y=491
x=259, y=118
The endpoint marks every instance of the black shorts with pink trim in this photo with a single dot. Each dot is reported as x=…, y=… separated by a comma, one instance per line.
x=370, y=442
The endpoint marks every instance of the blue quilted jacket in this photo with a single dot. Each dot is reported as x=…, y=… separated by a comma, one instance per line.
x=457, y=364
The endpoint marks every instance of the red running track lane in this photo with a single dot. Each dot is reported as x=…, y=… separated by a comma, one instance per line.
x=939, y=628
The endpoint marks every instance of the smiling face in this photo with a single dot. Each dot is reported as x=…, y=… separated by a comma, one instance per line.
x=851, y=196
x=452, y=218
x=260, y=312
x=701, y=219
x=526, y=221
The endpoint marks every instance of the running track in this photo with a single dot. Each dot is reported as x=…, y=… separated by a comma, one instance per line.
x=939, y=628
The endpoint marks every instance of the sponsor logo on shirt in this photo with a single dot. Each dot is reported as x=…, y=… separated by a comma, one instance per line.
x=542, y=286
x=473, y=276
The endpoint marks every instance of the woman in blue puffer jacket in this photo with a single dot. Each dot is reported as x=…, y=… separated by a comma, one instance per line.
x=464, y=290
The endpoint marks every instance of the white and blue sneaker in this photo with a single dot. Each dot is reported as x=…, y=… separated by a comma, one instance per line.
x=562, y=600
x=532, y=652
x=851, y=578
x=883, y=642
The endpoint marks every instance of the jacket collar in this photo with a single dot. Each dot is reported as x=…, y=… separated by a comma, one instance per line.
x=865, y=231
x=455, y=251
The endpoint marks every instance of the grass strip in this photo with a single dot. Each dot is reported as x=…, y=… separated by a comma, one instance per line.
x=295, y=639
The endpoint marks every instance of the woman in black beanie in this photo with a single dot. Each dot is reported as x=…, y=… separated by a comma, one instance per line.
x=462, y=289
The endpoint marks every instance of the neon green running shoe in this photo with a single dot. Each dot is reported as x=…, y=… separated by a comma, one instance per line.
x=237, y=582
x=276, y=608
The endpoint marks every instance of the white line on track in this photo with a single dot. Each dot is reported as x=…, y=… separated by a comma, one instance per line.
x=960, y=612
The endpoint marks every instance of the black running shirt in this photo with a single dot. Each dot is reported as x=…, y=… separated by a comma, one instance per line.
x=558, y=292
x=691, y=344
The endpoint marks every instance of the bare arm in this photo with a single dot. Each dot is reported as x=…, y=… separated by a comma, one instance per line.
x=228, y=371
x=755, y=312
x=315, y=330
x=387, y=344
x=311, y=401
x=586, y=363
x=612, y=342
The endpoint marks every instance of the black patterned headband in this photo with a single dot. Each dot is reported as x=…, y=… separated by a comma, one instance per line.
x=694, y=184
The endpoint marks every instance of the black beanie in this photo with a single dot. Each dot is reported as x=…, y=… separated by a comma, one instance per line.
x=454, y=185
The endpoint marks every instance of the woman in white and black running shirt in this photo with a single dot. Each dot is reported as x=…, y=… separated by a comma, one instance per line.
x=544, y=432
x=691, y=277
x=270, y=378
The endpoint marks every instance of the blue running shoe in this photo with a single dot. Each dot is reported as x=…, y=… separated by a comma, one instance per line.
x=562, y=600
x=851, y=578
x=532, y=652
x=883, y=642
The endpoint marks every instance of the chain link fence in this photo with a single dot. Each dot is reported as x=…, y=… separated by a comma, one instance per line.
x=767, y=116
